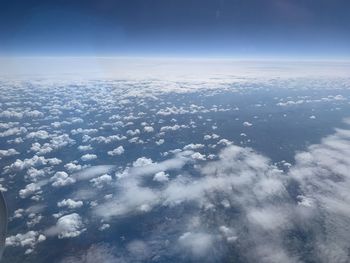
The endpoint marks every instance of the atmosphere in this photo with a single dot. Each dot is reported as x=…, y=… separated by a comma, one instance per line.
x=175, y=131
x=195, y=28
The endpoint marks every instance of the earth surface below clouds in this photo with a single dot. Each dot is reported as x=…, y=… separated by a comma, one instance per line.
x=170, y=171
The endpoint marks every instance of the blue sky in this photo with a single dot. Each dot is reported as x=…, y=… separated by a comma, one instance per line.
x=219, y=28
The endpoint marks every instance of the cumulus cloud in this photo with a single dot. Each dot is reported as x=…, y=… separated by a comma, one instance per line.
x=13, y=131
x=67, y=226
x=73, y=167
x=117, y=151
x=30, y=189
x=193, y=146
x=41, y=134
x=29, y=240
x=35, y=161
x=161, y=177
x=240, y=203
x=8, y=152
x=102, y=180
x=57, y=142
x=148, y=129
x=61, y=179
x=88, y=157
x=247, y=124
x=84, y=148
x=248, y=181
x=69, y=203
x=173, y=128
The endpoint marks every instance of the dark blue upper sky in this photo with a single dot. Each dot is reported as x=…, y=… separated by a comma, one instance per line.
x=225, y=28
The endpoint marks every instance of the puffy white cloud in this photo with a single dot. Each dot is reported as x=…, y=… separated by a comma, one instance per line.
x=13, y=131
x=109, y=139
x=161, y=177
x=34, y=174
x=133, y=133
x=83, y=131
x=73, y=167
x=57, y=142
x=29, y=239
x=41, y=134
x=35, y=161
x=88, y=157
x=198, y=156
x=102, y=180
x=67, y=226
x=30, y=189
x=173, y=128
x=34, y=219
x=193, y=146
x=224, y=142
x=148, y=129
x=247, y=124
x=69, y=203
x=84, y=148
x=117, y=151
x=11, y=114
x=61, y=179
x=142, y=161
x=209, y=137
x=8, y=152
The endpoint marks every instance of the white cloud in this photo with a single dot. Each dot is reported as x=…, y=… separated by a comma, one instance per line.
x=61, y=179
x=57, y=142
x=29, y=239
x=148, y=129
x=69, y=203
x=67, y=226
x=84, y=148
x=35, y=161
x=73, y=167
x=8, y=152
x=41, y=134
x=13, y=131
x=173, y=128
x=198, y=156
x=133, y=133
x=83, y=131
x=161, y=177
x=117, y=151
x=193, y=146
x=102, y=180
x=88, y=157
x=30, y=189
x=142, y=161
x=247, y=124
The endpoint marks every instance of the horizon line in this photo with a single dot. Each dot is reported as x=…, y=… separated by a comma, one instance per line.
x=172, y=57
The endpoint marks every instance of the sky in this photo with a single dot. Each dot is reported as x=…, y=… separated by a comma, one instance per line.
x=189, y=28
